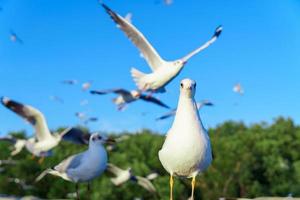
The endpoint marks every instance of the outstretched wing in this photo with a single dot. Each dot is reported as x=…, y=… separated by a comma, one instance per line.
x=145, y=183
x=167, y=115
x=77, y=136
x=30, y=114
x=153, y=100
x=138, y=39
x=114, y=169
x=116, y=91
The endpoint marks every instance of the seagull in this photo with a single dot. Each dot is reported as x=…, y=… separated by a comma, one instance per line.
x=123, y=176
x=238, y=89
x=125, y=97
x=57, y=99
x=173, y=112
x=112, y=147
x=15, y=38
x=70, y=82
x=21, y=183
x=44, y=141
x=152, y=176
x=82, y=167
x=85, y=86
x=163, y=72
x=186, y=151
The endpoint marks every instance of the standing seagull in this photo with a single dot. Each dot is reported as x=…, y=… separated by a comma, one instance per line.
x=125, y=97
x=163, y=71
x=173, y=112
x=44, y=141
x=186, y=151
x=82, y=167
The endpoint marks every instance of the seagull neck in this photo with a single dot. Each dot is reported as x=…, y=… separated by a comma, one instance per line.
x=187, y=111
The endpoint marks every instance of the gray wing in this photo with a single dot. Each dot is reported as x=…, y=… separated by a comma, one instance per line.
x=145, y=183
x=8, y=139
x=154, y=100
x=116, y=91
x=77, y=136
x=167, y=115
x=138, y=39
x=114, y=169
x=69, y=163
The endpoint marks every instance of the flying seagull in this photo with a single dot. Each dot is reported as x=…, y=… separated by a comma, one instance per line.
x=44, y=141
x=57, y=99
x=163, y=71
x=85, y=86
x=125, y=97
x=173, y=112
x=15, y=38
x=82, y=167
x=238, y=89
x=70, y=82
x=122, y=176
x=19, y=144
x=186, y=151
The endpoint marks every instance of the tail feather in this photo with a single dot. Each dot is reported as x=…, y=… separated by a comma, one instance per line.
x=137, y=76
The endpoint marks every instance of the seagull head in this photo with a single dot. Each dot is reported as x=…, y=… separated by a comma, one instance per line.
x=188, y=88
x=97, y=139
x=135, y=93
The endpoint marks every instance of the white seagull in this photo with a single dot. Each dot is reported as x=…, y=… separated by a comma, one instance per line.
x=19, y=144
x=173, y=112
x=237, y=88
x=163, y=71
x=123, y=176
x=125, y=97
x=186, y=151
x=44, y=141
x=82, y=167
x=15, y=38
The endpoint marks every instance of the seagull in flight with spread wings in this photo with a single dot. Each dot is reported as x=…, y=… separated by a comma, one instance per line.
x=43, y=142
x=125, y=97
x=163, y=72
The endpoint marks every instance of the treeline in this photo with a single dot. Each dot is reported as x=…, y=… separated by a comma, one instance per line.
x=249, y=161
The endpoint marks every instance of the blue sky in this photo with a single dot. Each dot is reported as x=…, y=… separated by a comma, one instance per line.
x=68, y=39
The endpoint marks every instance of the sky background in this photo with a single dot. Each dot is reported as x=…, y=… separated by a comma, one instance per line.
x=68, y=39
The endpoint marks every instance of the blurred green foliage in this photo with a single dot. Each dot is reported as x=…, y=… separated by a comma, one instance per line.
x=249, y=161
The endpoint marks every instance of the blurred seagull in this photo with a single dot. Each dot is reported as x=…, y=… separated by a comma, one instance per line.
x=15, y=38
x=85, y=86
x=70, y=82
x=186, y=151
x=82, y=167
x=163, y=71
x=57, y=99
x=111, y=147
x=21, y=183
x=238, y=89
x=152, y=176
x=123, y=176
x=19, y=144
x=125, y=97
x=173, y=112
x=44, y=141
x=8, y=162
x=168, y=2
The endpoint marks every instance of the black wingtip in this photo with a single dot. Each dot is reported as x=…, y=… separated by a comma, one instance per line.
x=106, y=7
x=218, y=31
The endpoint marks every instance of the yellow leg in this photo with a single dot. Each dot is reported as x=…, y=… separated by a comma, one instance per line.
x=193, y=187
x=41, y=160
x=171, y=187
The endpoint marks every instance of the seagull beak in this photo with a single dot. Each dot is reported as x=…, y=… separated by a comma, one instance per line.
x=110, y=141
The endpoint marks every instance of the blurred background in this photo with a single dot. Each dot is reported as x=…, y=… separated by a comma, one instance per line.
x=255, y=133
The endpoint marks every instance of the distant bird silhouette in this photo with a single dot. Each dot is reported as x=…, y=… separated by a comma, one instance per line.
x=15, y=38
x=70, y=82
x=125, y=97
x=237, y=88
x=173, y=112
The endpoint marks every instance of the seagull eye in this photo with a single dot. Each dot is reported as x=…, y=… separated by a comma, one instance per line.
x=181, y=85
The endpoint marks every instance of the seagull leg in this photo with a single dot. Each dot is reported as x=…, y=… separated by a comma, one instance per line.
x=89, y=189
x=171, y=187
x=77, y=193
x=41, y=160
x=193, y=187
